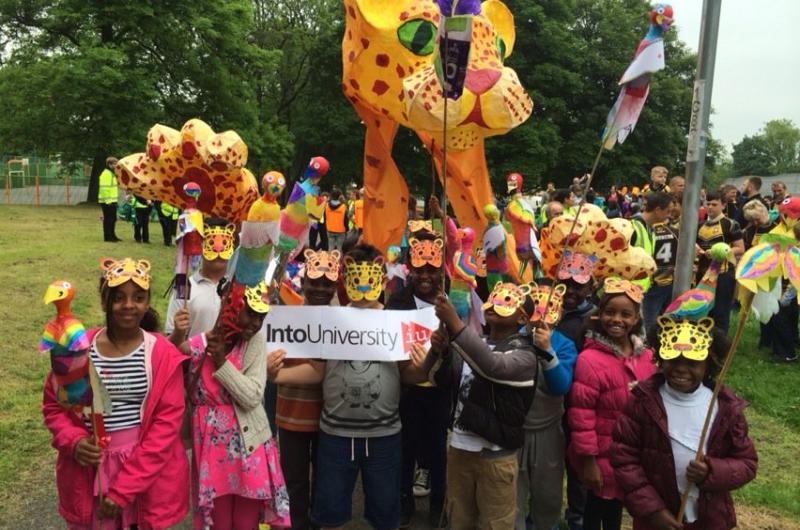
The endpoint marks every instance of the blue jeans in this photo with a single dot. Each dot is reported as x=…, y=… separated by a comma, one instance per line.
x=339, y=460
x=656, y=299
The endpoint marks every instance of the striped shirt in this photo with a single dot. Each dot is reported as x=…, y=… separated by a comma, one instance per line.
x=125, y=379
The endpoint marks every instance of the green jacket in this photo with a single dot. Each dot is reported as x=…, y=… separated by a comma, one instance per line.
x=107, y=193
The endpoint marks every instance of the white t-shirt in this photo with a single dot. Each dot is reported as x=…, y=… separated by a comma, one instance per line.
x=204, y=306
x=685, y=416
x=462, y=438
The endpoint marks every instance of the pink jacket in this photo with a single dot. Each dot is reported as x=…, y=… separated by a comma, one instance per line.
x=156, y=473
x=600, y=389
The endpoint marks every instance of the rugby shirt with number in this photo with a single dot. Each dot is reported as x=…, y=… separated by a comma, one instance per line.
x=125, y=379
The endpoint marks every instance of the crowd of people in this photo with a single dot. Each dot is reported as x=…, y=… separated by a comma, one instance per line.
x=505, y=404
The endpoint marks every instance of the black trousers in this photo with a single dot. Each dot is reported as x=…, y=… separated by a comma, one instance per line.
x=298, y=453
x=784, y=331
x=425, y=414
x=109, y=221
x=723, y=301
x=141, y=228
x=605, y=514
x=168, y=227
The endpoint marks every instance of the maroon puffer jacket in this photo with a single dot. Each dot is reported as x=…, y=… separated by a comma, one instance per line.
x=645, y=469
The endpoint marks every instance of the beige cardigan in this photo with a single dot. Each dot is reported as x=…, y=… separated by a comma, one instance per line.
x=247, y=389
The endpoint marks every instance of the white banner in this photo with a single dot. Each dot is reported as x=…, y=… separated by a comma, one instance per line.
x=348, y=333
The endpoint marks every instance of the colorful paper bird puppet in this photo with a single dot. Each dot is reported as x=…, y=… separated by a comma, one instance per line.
x=215, y=162
x=762, y=268
x=396, y=272
x=698, y=302
x=522, y=219
x=494, y=244
x=464, y=281
x=305, y=205
x=635, y=82
x=260, y=232
x=188, y=241
x=595, y=234
x=75, y=380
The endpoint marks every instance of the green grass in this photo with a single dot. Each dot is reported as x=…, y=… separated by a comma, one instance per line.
x=40, y=245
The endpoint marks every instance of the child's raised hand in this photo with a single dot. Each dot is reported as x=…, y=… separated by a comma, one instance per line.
x=664, y=520
x=181, y=320
x=446, y=313
x=86, y=452
x=439, y=341
x=541, y=338
x=215, y=347
x=418, y=354
x=275, y=363
x=696, y=472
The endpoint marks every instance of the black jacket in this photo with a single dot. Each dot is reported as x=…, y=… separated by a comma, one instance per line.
x=502, y=391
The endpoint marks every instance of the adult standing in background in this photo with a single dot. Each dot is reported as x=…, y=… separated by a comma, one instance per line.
x=676, y=185
x=107, y=196
x=141, y=223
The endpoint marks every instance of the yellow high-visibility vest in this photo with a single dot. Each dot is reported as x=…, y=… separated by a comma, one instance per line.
x=107, y=192
x=645, y=239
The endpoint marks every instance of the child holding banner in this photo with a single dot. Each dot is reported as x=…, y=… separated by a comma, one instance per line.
x=237, y=475
x=299, y=406
x=424, y=409
x=492, y=383
x=360, y=421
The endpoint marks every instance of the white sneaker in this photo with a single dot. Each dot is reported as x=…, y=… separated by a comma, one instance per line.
x=422, y=483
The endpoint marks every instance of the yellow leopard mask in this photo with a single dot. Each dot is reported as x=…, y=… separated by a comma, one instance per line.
x=258, y=298
x=322, y=263
x=425, y=252
x=363, y=280
x=684, y=337
x=118, y=272
x=218, y=242
x=507, y=298
x=543, y=312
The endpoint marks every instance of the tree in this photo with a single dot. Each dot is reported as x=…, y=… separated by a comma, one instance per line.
x=782, y=142
x=774, y=150
x=88, y=78
x=751, y=156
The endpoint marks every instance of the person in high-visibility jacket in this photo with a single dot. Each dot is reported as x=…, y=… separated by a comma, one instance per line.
x=358, y=211
x=141, y=223
x=656, y=210
x=168, y=217
x=107, y=196
x=336, y=220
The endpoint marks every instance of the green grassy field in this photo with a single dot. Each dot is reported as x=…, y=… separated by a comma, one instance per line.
x=43, y=244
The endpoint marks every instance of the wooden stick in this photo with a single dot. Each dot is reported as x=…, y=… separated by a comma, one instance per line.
x=444, y=158
x=574, y=223
x=744, y=312
x=186, y=282
x=99, y=475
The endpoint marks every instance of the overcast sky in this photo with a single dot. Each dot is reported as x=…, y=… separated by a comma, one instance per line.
x=757, y=73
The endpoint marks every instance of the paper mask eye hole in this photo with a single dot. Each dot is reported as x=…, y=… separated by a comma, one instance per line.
x=418, y=36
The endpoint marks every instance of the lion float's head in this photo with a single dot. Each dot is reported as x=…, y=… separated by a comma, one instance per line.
x=388, y=53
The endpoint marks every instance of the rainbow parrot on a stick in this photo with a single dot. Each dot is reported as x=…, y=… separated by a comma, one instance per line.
x=635, y=82
x=75, y=381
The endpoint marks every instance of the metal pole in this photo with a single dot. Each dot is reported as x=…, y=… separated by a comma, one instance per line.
x=696, y=149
